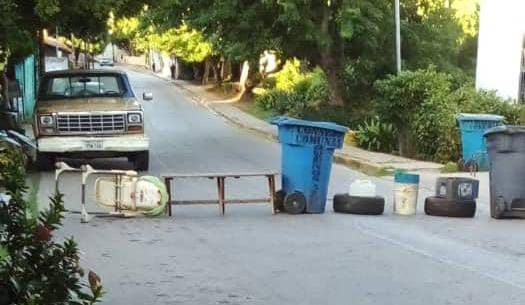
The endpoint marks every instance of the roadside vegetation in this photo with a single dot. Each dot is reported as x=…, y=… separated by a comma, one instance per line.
x=34, y=267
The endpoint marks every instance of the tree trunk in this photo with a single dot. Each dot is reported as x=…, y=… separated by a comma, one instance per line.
x=332, y=55
x=406, y=147
x=216, y=74
x=41, y=53
x=206, y=74
x=245, y=70
x=226, y=70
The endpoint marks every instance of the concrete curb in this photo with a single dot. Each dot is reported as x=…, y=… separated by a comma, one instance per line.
x=364, y=166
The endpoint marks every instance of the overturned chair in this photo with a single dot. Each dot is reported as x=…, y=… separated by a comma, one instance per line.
x=121, y=192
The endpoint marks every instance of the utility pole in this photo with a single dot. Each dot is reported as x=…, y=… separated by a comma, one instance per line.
x=57, y=50
x=398, y=37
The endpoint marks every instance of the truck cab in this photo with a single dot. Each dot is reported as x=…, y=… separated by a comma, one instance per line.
x=89, y=114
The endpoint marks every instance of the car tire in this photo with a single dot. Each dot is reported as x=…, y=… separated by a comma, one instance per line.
x=141, y=161
x=294, y=203
x=44, y=162
x=437, y=206
x=278, y=200
x=344, y=203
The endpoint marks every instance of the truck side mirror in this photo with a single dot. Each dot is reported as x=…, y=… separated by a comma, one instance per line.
x=147, y=96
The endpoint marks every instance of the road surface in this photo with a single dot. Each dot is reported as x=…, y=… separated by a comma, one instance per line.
x=252, y=257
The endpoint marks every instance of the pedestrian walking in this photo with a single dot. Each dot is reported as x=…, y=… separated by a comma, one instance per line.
x=172, y=69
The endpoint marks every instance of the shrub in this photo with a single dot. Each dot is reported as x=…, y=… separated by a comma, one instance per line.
x=289, y=76
x=416, y=103
x=35, y=269
x=470, y=100
x=377, y=136
x=295, y=93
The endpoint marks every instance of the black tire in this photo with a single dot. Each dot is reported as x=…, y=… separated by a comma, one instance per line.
x=141, y=161
x=436, y=206
x=44, y=162
x=344, y=203
x=294, y=203
x=278, y=200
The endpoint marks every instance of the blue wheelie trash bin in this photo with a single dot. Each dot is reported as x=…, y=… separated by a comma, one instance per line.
x=307, y=153
x=472, y=128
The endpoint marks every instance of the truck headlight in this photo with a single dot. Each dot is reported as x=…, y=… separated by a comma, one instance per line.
x=134, y=118
x=47, y=121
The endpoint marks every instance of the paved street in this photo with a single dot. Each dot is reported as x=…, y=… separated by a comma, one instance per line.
x=251, y=257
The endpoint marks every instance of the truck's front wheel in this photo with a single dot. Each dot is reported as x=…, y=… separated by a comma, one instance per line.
x=44, y=162
x=141, y=161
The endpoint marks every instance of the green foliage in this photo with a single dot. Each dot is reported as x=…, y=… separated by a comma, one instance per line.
x=424, y=103
x=188, y=44
x=36, y=269
x=295, y=92
x=287, y=79
x=377, y=136
x=450, y=167
x=15, y=36
x=417, y=103
x=470, y=100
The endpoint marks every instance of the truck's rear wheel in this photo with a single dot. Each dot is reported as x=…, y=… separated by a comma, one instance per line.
x=141, y=161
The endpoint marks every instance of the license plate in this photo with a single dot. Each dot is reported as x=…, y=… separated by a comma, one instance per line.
x=93, y=145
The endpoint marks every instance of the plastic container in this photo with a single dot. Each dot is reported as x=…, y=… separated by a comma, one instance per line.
x=506, y=150
x=362, y=188
x=406, y=188
x=472, y=128
x=306, y=163
x=457, y=188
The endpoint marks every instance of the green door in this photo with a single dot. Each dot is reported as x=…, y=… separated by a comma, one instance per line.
x=26, y=76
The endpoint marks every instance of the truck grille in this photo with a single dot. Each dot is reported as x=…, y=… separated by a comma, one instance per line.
x=91, y=123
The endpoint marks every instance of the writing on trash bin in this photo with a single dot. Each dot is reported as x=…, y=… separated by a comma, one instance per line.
x=316, y=136
x=479, y=125
x=316, y=171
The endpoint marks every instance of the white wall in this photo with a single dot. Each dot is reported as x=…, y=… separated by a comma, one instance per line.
x=502, y=26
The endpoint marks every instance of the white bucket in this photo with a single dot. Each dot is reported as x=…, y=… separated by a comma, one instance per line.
x=406, y=189
x=362, y=188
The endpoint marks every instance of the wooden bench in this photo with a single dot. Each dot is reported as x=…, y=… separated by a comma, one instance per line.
x=221, y=189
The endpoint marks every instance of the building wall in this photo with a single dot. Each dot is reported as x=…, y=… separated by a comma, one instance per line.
x=501, y=34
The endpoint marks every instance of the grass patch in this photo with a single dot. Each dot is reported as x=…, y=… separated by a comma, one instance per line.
x=250, y=107
x=450, y=167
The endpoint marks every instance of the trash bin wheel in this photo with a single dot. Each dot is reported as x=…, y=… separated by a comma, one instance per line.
x=344, y=203
x=498, y=208
x=437, y=206
x=294, y=203
x=278, y=200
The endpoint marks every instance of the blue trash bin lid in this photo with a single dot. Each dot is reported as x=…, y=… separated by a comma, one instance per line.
x=504, y=129
x=479, y=117
x=283, y=121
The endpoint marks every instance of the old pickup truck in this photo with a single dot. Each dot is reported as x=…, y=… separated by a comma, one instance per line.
x=89, y=114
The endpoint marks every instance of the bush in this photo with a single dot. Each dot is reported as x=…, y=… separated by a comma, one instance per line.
x=416, y=103
x=470, y=100
x=295, y=93
x=377, y=136
x=35, y=269
x=423, y=105
x=289, y=76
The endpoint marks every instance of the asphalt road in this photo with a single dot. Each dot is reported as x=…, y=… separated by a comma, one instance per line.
x=251, y=257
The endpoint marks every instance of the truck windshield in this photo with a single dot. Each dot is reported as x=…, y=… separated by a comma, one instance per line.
x=63, y=87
